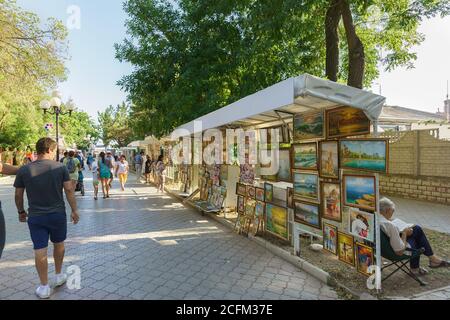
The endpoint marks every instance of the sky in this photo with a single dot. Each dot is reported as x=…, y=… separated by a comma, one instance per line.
x=94, y=71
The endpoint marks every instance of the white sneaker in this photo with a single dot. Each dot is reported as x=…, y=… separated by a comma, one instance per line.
x=43, y=292
x=60, y=279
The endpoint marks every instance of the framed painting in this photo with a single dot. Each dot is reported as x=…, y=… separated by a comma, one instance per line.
x=268, y=192
x=359, y=191
x=306, y=185
x=364, y=258
x=259, y=194
x=290, y=198
x=347, y=121
x=250, y=208
x=241, y=189
x=260, y=207
x=329, y=159
x=250, y=191
x=365, y=154
x=330, y=234
x=307, y=213
x=331, y=201
x=276, y=221
x=346, y=248
x=361, y=224
x=240, y=207
x=284, y=165
x=304, y=156
x=308, y=126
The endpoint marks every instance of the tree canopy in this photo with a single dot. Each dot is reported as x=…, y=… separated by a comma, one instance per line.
x=192, y=57
x=115, y=126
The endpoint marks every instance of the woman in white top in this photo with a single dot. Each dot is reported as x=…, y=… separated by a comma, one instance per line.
x=160, y=173
x=122, y=170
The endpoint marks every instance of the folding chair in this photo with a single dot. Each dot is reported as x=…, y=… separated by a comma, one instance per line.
x=401, y=262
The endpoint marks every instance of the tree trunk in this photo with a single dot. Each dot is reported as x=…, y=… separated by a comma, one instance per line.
x=332, y=39
x=356, y=57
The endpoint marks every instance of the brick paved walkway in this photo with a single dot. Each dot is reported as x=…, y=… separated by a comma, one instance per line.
x=141, y=245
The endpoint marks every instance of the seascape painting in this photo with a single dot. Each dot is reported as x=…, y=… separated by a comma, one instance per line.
x=359, y=191
x=329, y=159
x=306, y=185
x=308, y=126
x=347, y=121
x=305, y=156
x=307, y=213
x=364, y=154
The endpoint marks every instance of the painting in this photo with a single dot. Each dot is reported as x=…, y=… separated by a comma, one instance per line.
x=259, y=194
x=260, y=209
x=305, y=156
x=240, y=207
x=361, y=224
x=308, y=126
x=284, y=165
x=347, y=121
x=364, y=258
x=247, y=174
x=290, y=197
x=241, y=189
x=359, y=191
x=250, y=208
x=307, y=213
x=330, y=233
x=306, y=185
x=346, y=248
x=277, y=221
x=331, y=201
x=251, y=191
x=365, y=154
x=268, y=192
x=329, y=159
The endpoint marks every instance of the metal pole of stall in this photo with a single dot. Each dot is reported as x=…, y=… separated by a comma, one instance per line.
x=377, y=222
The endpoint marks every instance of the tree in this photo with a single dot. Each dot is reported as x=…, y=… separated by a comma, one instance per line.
x=32, y=56
x=115, y=126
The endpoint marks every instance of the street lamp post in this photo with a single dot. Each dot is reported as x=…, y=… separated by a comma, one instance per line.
x=54, y=107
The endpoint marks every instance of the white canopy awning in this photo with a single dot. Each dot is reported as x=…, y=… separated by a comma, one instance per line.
x=279, y=102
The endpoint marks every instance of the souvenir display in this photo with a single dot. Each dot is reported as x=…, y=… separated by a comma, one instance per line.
x=308, y=126
x=306, y=185
x=305, y=156
x=330, y=234
x=307, y=213
x=346, y=248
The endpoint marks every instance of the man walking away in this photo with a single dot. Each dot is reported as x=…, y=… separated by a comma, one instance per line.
x=44, y=181
x=138, y=159
x=8, y=170
x=65, y=156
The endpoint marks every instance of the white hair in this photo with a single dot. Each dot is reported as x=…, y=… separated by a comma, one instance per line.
x=385, y=204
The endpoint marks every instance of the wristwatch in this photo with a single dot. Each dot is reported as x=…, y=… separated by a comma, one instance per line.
x=22, y=212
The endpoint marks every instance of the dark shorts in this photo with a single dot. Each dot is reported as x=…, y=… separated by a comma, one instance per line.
x=51, y=226
x=2, y=231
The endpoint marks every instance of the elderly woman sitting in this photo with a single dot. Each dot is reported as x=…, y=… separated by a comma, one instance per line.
x=402, y=236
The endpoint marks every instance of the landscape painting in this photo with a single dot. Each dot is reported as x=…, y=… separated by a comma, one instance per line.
x=347, y=121
x=359, y=191
x=277, y=221
x=364, y=258
x=346, y=248
x=307, y=213
x=305, y=156
x=331, y=201
x=308, y=126
x=330, y=238
x=306, y=185
x=329, y=159
x=364, y=154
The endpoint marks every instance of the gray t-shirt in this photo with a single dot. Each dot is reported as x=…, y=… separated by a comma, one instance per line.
x=43, y=181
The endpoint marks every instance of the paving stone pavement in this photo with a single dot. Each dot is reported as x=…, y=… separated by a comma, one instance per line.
x=142, y=245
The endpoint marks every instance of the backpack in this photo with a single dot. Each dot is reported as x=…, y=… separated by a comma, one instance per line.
x=71, y=165
x=104, y=169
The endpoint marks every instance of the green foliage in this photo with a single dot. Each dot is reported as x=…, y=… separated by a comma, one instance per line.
x=193, y=57
x=115, y=126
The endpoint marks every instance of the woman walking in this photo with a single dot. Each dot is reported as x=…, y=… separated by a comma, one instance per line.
x=73, y=166
x=148, y=169
x=161, y=173
x=105, y=174
x=122, y=170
